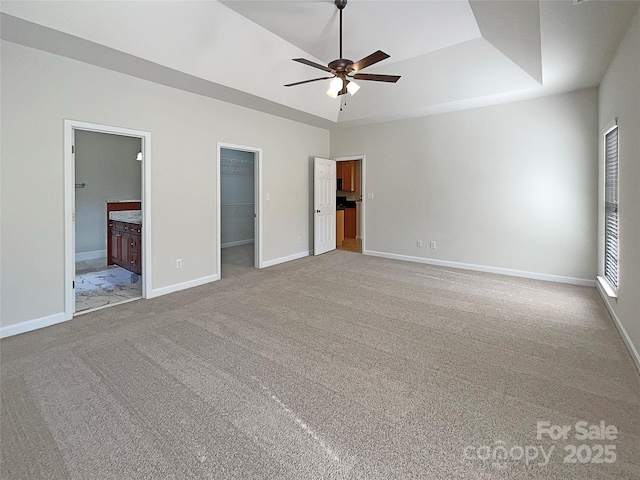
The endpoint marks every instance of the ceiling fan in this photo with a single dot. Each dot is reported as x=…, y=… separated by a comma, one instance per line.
x=344, y=70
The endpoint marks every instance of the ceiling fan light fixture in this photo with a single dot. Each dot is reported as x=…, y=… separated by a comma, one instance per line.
x=334, y=87
x=352, y=87
x=343, y=69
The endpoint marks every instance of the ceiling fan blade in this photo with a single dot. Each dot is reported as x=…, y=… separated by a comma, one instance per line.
x=312, y=64
x=377, y=78
x=366, y=61
x=307, y=81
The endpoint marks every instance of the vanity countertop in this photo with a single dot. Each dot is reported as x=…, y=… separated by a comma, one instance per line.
x=129, y=216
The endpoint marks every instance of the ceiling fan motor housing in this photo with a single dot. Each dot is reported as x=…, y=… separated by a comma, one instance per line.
x=341, y=65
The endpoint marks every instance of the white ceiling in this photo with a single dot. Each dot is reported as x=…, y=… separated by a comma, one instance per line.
x=406, y=28
x=451, y=54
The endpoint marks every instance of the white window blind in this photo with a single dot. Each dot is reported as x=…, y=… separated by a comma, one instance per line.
x=611, y=207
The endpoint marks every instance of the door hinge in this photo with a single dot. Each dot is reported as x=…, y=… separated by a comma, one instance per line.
x=73, y=284
x=73, y=149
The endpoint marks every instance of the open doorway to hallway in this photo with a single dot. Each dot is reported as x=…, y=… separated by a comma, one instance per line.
x=349, y=211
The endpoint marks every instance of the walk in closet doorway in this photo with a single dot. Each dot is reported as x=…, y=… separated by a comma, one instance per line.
x=239, y=225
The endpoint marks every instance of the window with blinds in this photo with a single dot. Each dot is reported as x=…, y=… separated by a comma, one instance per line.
x=611, y=207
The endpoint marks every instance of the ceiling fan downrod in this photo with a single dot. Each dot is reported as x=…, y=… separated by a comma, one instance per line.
x=341, y=4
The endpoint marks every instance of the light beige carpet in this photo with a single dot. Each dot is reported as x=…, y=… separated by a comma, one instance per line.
x=339, y=366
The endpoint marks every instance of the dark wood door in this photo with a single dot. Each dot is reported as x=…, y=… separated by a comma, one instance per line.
x=126, y=245
x=349, y=223
x=126, y=250
x=134, y=259
x=347, y=177
x=116, y=244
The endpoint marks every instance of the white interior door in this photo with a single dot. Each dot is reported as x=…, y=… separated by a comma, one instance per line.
x=324, y=205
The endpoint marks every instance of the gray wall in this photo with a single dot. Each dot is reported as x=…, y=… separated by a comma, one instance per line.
x=39, y=90
x=620, y=97
x=510, y=186
x=108, y=166
x=236, y=189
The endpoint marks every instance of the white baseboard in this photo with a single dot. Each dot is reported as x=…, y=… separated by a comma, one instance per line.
x=29, y=325
x=482, y=268
x=82, y=256
x=623, y=332
x=157, y=292
x=49, y=320
x=235, y=244
x=295, y=256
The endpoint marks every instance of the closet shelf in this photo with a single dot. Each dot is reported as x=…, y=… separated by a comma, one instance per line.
x=235, y=160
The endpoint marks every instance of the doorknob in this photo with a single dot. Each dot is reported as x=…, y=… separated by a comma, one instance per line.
x=317, y=211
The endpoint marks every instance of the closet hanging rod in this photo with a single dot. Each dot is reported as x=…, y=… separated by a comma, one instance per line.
x=244, y=168
x=238, y=174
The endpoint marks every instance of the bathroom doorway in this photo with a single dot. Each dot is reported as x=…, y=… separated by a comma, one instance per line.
x=108, y=219
x=106, y=216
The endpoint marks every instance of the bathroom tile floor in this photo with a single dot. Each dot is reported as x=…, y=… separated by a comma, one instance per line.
x=98, y=285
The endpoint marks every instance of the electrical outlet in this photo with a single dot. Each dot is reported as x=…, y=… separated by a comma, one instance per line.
x=433, y=244
x=179, y=263
x=299, y=239
x=370, y=195
x=418, y=243
x=268, y=196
